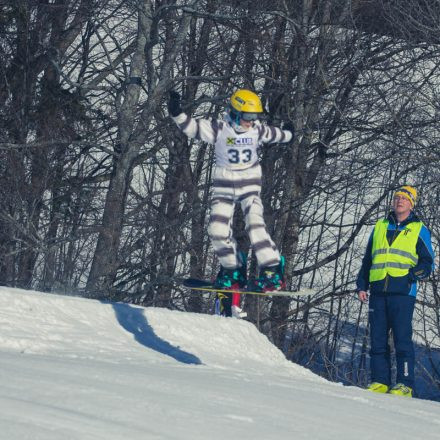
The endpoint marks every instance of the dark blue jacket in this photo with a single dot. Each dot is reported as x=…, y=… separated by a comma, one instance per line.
x=406, y=285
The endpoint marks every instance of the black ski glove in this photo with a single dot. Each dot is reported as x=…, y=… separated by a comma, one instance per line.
x=288, y=126
x=414, y=275
x=174, y=108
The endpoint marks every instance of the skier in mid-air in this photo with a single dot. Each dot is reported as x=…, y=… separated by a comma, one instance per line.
x=237, y=179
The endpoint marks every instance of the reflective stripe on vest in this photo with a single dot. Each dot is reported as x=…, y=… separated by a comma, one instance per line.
x=397, y=259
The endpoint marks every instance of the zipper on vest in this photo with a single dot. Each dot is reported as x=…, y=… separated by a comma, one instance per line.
x=395, y=234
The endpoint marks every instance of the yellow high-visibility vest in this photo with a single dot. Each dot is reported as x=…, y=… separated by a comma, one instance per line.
x=397, y=259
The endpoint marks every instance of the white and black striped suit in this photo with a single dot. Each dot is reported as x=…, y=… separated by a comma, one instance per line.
x=237, y=179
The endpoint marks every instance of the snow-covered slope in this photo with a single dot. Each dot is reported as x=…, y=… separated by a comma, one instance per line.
x=72, y=368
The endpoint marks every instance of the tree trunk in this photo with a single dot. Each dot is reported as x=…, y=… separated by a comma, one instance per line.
x=130, y=139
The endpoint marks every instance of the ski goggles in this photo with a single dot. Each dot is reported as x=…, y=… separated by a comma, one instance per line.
x=249, y=116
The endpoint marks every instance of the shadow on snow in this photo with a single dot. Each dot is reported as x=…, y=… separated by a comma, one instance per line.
x=134, y=321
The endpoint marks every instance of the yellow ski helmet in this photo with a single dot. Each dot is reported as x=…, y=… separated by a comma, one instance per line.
x=246, y=105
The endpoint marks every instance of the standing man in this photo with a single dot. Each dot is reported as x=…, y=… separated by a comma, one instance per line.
x=399, y=253
x=237, y=180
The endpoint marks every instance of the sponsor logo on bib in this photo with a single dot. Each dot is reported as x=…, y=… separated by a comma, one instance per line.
x=239, y=141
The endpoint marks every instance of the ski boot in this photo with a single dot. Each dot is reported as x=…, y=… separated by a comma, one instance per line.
x=378, y=387
x=231, y=279
x=401, y=389
x=237, y=312
x=228, y=304
x=271, y=278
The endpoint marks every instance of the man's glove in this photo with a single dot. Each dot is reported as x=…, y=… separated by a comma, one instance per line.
x=288, y=126
x=174, y=108
x=414, y=276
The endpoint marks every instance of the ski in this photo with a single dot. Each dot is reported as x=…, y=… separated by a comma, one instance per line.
x=208, y=287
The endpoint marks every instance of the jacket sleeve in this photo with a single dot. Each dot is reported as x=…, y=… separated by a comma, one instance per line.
x=273, y=135
x=201, y=129
x=362, y=282
x=424, y=250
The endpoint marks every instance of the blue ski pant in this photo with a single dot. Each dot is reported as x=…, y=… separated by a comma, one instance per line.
x=391, y=312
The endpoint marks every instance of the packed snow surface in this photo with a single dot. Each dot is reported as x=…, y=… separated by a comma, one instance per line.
x=73, y=368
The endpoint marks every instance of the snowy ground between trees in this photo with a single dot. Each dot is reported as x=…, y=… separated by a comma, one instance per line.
x=72, y=368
